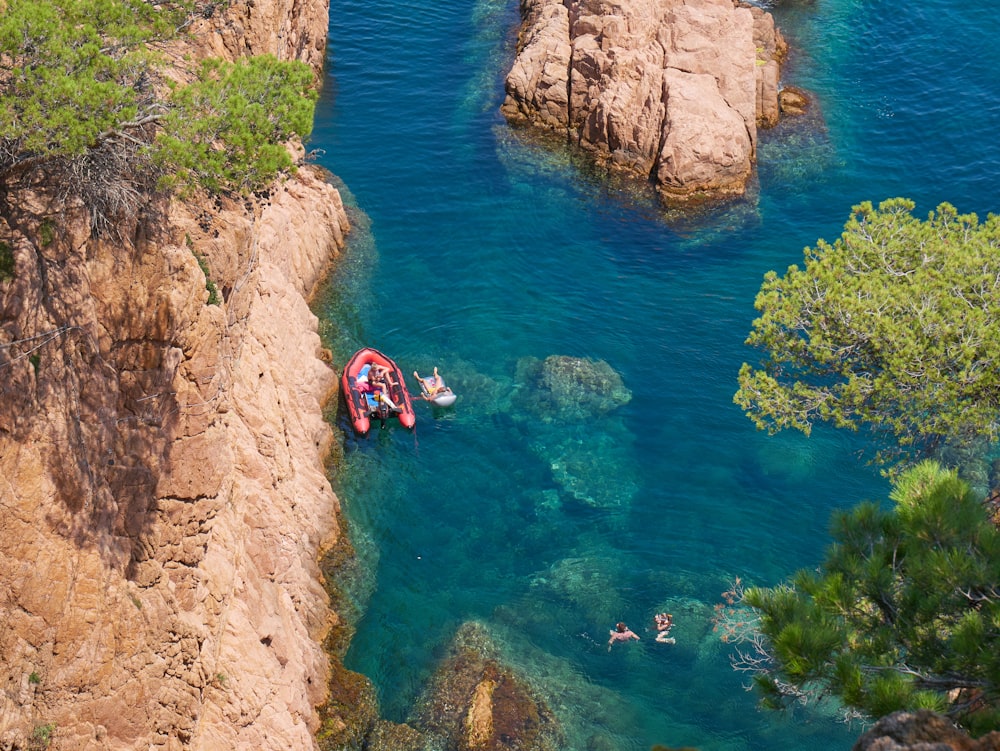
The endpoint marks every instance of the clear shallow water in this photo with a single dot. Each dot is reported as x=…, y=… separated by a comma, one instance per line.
x=474, y=251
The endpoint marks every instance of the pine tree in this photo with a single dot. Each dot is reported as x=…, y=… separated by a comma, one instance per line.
x=904, y=612
x=894, y=328
x=81, y=106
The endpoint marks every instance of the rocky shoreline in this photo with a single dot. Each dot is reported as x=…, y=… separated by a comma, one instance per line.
x=162, y=449
x=164, y=490
x=166, y=507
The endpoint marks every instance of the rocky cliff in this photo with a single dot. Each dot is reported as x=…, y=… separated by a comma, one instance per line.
x=667, y=90
x=162, y=486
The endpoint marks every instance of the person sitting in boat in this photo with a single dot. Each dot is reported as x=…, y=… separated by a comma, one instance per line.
x=381, y=374
x=432, y=386
x=374, y=382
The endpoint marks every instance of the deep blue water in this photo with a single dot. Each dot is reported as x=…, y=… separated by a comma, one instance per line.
x=478, y=252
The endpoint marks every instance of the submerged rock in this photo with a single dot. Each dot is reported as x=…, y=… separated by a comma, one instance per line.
x=586, y=584
x=570, y=388
x=391, y=736
x=477, y=703
x=595, y=468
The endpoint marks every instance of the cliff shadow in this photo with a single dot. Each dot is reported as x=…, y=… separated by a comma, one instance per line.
x=84, y=400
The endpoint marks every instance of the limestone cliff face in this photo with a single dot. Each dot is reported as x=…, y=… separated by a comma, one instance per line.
x=163, y=498
x=669, y=90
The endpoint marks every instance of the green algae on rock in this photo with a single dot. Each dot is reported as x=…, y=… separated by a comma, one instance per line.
x=570, y=388
x=475, y=701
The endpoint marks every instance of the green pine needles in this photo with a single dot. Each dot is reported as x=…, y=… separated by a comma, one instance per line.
x=83, y=105
x=895, y=327
x=74, y=71
x=904, y=612
x=252, y=107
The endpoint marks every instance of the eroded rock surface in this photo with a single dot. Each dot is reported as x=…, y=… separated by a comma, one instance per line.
x=669, y=90
x=163, y=489
x=162, y=483
x=922, y=730
x=476, y=703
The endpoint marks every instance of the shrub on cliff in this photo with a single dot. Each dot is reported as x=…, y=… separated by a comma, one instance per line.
x=894, y=327
x=80, y=106
x=73, y=73
x=903, y=614
x=252, y=107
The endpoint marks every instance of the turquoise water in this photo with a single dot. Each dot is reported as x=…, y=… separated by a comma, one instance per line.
x=480, y=253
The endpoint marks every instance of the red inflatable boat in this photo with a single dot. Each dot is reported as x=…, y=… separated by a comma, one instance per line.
x=368, y=398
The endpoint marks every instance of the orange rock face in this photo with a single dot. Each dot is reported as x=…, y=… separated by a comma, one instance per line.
x=669, y=90
x=162, y=485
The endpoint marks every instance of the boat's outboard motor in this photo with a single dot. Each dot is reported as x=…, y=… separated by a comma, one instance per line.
x=382, y=411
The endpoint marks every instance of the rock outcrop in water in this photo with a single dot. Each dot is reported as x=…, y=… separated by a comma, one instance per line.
x=162, y=483
x=668, y=90
x=476, y=703
x=922, y=730
x=570, y=388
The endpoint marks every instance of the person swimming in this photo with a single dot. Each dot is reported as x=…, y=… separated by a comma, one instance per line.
x=664, y=622
x=621, y=633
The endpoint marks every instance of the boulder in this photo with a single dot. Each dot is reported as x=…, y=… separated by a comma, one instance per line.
x=570, y=388
x=793, y=101
x=668, y=90
x=922, y=730
x=477, y=703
